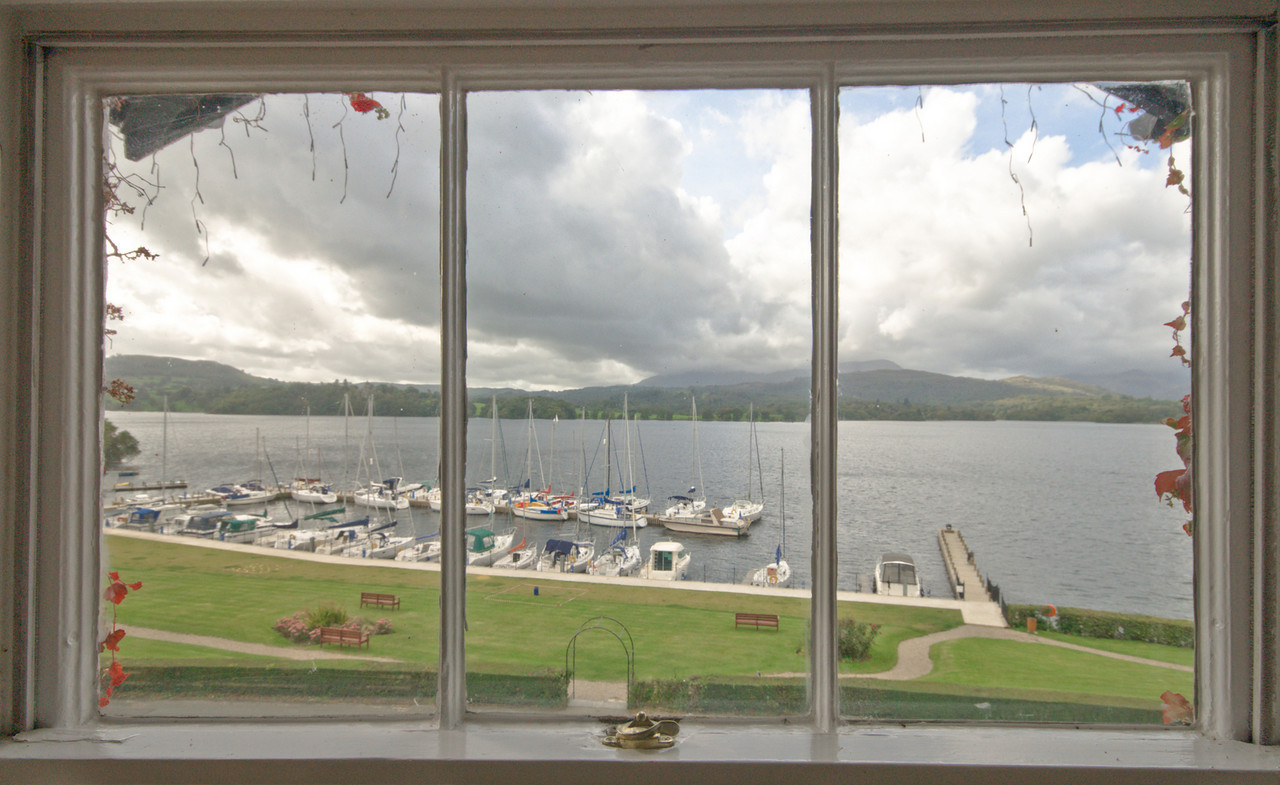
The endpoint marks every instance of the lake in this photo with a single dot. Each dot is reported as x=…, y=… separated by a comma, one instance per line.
x=1061, y=513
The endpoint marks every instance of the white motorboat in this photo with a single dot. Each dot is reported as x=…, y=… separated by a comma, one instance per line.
x=668, y=561
x=713, y=521
x=896, y=576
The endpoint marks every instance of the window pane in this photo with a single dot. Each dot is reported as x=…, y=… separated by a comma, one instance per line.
x=282, y=350
x=1009, y=255
x=637, y=260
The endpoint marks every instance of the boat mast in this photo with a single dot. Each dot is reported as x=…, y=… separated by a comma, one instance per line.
x=631, y=469
x=164, y=446
x=493, y=445
x=697, y=448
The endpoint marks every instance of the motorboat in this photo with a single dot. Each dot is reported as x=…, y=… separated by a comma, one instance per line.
x=896, y=576
x=668, y=561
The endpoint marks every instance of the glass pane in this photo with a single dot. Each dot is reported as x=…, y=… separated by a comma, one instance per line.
x=1009, y=256
x=282, y=355
x=639, y=333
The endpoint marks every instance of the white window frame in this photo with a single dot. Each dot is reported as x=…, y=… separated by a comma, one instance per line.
x=52, y=343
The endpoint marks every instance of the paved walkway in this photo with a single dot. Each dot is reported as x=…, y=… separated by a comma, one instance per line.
x=914, y=660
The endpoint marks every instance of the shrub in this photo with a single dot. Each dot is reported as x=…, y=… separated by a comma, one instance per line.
x=856, y=638
x=304, y=626
x=1106, y=624
x=294, y=627
x=327, y=614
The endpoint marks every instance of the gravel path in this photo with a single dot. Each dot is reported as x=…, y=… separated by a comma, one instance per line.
x=914, y=660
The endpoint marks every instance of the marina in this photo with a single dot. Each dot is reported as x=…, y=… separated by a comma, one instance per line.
x=899, y=485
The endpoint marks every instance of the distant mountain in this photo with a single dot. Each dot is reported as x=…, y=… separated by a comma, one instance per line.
x=876, y=389
x=1168, y=386
x=728, y=378
x=165, y=371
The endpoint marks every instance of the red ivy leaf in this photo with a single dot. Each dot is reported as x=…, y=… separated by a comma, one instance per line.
x=364, y=104
x=1167, y=482
x=136, y=586
x=1178, y=324
x=112, y=641
x=117, y=674
x=115, y=593
x=1175, y=708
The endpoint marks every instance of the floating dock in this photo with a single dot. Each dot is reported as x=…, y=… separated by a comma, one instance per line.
x=966, y=582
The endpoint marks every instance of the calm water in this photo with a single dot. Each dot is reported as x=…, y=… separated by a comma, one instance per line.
x=1059, y=513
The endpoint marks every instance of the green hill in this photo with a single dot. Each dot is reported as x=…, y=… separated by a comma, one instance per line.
x=873, y=394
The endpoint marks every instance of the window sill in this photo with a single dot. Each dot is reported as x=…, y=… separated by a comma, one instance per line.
x=497, y=751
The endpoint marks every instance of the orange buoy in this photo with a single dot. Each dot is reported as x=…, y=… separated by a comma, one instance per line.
x=1050, y=611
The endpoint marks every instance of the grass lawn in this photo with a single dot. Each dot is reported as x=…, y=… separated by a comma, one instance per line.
x=513, y=634
x=1050, y=672
x=1152, y=651
x=677, y=634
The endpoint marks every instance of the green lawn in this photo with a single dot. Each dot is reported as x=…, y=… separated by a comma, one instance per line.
x=1035, y=669
x=676, y=633
x=513, y=634
x=1151, y=651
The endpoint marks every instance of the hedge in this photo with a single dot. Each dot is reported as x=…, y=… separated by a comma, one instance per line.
x=146, y=681
x=1105, y=624
x=859, y=701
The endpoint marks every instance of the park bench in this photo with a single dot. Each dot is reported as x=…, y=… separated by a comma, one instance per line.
x=380, y=600
x=756, y=620
x=343, y=637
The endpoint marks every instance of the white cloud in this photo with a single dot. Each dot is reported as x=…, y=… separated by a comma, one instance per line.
x=615, y=235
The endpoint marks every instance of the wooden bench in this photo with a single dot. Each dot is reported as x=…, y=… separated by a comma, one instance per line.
x=380, y=600
x=756, y=620
x=343, y=637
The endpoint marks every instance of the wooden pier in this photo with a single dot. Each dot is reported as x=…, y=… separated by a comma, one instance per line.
x=966, y=582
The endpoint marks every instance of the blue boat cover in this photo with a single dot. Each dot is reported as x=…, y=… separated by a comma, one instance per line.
x=558, y=546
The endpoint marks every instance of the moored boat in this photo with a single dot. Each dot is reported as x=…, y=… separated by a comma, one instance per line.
x=896, y=575
x=713, y=521
x=668, y=561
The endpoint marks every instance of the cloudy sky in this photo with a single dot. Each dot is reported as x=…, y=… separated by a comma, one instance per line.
x=617, y=235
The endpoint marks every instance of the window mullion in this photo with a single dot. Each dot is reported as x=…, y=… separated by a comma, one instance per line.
x=823, y=665
x=451, y=693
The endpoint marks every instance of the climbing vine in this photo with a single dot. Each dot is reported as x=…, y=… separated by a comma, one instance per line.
x=113, y=675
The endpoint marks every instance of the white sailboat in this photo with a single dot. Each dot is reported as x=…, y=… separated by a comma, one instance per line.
x=776, y=575
x=383, y=494
x=749, y=509
x=531, y=504
x=623, y=509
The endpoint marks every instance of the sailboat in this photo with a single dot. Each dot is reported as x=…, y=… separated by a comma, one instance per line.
x=778, y=574
x=749, y=509
x=533, y=504
x=312, y=490
x=624, y=508
x=620, y=558
x=489, y=493
x=384, y=494
x=249, y=491
x=690, y=515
